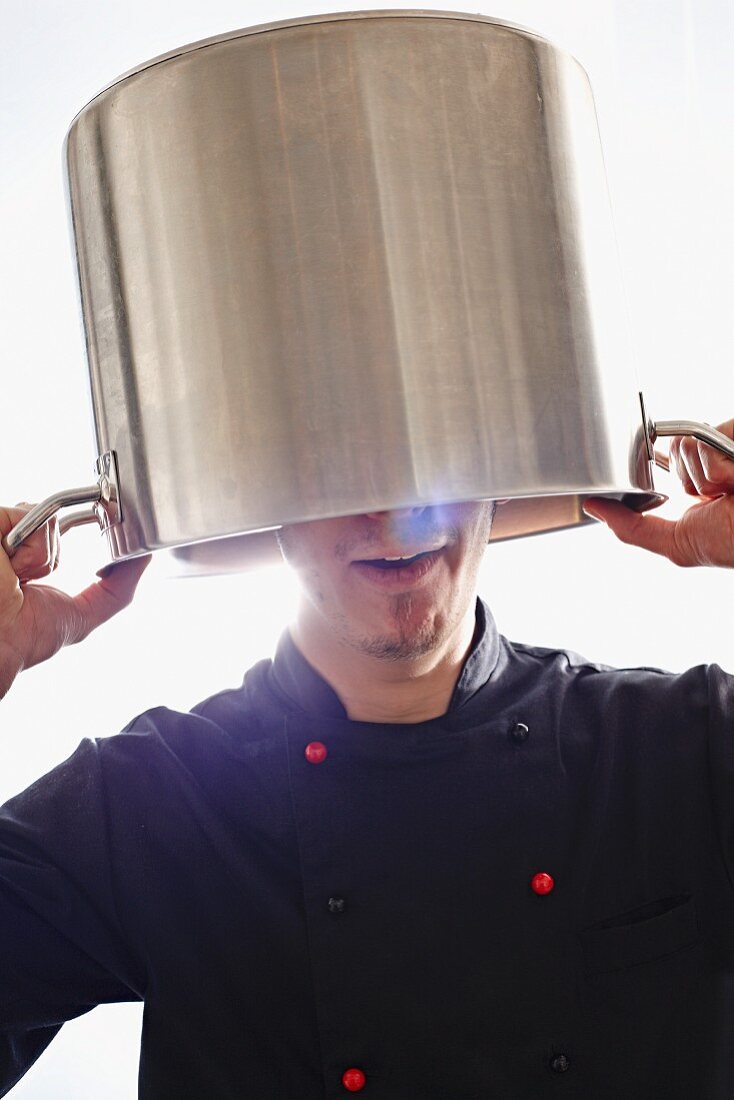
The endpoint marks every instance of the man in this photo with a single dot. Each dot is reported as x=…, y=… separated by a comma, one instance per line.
x=406, y=858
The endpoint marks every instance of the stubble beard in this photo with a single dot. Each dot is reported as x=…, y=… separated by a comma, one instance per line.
x=409, y=642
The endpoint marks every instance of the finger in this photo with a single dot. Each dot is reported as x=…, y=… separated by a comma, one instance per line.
x=50, y=529
x=55, y=546
x=680, y=468
x=638, y=529
x=32, y=559
x=28, y=556
x=692, y=462
x=29, y=574
x=106, y=597
x=10, y=516
x=717, y=467
x=710, y=469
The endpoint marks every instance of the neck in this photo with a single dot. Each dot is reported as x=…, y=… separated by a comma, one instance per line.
x=374, y=690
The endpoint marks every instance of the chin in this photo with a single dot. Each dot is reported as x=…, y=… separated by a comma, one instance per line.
x=398, y=649
x=409, y=631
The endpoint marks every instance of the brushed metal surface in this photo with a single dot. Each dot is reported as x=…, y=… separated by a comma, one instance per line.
x=348, y=263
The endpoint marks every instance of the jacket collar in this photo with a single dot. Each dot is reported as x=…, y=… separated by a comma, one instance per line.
x=306, y=690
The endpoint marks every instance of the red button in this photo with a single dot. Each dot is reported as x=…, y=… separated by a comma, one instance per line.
x=353, y=1080
x=315, y=752
x=542, y=883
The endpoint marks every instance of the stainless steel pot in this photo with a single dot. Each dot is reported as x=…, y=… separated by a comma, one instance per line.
x=347, y=263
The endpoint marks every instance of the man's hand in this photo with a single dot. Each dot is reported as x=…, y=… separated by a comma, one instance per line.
x=37, y=620
x=704, y=535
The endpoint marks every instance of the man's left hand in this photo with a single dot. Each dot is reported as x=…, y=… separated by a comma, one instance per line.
x=704, y=535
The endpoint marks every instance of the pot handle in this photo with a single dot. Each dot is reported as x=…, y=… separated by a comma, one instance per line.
x=703, y=432
x=104, y=497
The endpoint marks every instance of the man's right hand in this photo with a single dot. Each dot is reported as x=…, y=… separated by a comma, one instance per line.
x=37, y=620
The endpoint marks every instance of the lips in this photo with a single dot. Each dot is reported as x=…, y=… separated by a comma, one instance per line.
x=395, y=563
x=403, y=555
x=398, y=575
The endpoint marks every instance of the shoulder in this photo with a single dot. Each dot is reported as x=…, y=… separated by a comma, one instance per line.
x=567, y=670
x=618, y=732
x=169, y=766
x=643, y=696
x=231, y=722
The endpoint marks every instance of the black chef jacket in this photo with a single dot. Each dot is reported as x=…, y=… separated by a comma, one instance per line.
x=289, y=914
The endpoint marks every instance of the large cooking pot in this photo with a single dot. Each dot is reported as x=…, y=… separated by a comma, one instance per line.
x=347, y=263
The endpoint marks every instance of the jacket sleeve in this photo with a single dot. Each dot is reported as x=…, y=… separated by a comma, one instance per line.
x=63, y=950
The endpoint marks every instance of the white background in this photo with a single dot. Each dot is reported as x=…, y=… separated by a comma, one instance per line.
x=664, y=86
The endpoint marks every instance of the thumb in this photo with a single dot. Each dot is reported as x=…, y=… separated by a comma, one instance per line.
x=635, y=528
x=103, y=599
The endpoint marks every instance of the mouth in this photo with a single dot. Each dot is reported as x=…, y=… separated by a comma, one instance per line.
x=395, y=572
x=399, y=561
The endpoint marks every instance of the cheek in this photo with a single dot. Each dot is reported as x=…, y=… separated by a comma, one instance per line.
x=471, y=558
x=309, y=549
x=310, y=580
x=323, y=586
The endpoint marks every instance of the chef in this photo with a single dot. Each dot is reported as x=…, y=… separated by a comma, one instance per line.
x=406, y=858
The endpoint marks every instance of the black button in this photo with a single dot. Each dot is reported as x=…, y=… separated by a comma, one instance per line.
x=337, y=905
x=559, y=1063
x=519, y=733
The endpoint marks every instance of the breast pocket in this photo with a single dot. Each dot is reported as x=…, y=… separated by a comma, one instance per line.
x=656, y=931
